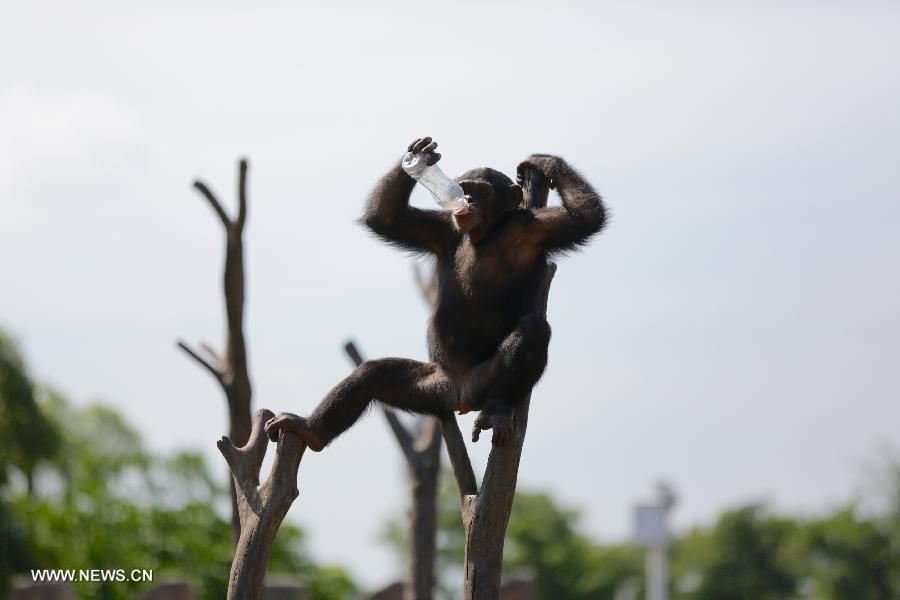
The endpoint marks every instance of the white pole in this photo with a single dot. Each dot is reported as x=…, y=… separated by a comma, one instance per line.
x=657, y=568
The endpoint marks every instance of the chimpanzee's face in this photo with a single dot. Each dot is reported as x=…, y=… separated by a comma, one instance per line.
x=480, y=208
x=487, y=202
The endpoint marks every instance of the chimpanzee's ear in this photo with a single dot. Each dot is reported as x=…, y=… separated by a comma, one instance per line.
x=516, y=194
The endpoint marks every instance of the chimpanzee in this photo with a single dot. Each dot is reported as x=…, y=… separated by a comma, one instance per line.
x=487, y=339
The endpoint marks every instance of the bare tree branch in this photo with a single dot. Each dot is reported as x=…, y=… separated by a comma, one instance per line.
x=430, y=431
x=459, y=458
x=207, y=347
x=352, y=351
x=242, y=194
x=231, y=371
x=427, y=284
x=404, y=439
x=210, y=197
x=214, y=370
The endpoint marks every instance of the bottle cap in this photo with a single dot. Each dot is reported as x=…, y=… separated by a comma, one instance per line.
x=414, y=164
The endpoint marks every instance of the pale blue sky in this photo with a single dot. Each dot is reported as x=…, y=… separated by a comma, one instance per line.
x=736, y=329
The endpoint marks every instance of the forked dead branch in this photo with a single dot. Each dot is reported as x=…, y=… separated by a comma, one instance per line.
x=230, y=371
x=261, y=507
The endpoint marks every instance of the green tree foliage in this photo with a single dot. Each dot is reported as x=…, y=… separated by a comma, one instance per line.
x=851, y=557
x=28, y=436
x=330, y=583
x=543, y=538
x=106, y=503
x=747, y=554
x=109, y=504
x=15, y=553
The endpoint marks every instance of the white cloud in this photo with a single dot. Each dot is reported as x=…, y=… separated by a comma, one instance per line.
x=63, y=135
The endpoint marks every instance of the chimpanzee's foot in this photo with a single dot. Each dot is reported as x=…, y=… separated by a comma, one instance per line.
x=500, y=420
x=297, y=425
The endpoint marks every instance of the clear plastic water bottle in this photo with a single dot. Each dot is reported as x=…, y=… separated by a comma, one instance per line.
x=447, y=193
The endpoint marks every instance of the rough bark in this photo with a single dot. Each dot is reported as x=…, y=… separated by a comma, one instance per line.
x=261, y=507
x=422, y=452
x=485, y=513
x=230, y=371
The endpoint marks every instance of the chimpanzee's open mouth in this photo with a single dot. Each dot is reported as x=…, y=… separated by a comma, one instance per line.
x=463, y=210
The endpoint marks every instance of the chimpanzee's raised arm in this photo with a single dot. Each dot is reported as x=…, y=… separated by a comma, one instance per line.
x=389, y=214
x=582, y=214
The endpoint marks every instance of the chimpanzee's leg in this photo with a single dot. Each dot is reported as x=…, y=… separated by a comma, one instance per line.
x=505, y=378
x=402, y=383
x=499, y=384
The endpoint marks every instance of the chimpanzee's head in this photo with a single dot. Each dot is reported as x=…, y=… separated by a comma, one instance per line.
x=491, y=194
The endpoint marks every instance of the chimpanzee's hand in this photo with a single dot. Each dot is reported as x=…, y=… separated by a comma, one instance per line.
x=425, y=146
x=551, y=167
x=501, y=421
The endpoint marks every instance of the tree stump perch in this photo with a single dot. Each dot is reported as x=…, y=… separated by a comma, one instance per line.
x=485, y=513
x=261, y=507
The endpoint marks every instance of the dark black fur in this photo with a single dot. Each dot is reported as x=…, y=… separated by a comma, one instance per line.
x=486, y=339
